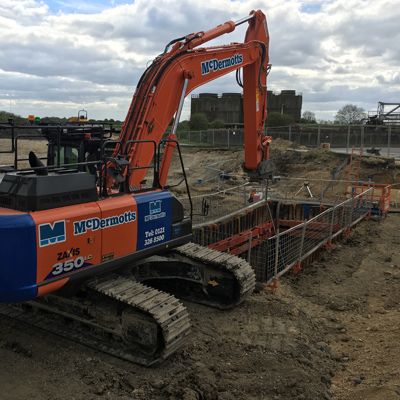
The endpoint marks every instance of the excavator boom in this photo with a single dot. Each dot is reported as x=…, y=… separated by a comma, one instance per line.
x=175, y=74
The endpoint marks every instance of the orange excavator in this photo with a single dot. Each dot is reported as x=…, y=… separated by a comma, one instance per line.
x=77, y=235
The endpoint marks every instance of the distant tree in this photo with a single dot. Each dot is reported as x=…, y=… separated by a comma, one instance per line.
x=324, y=122
x=306, y=121
x=308, y=117
x=217, y=124
x=184, y=126
x=350, y=114
x=198, y=122
x=54, y=120
x=277, y=119
x=4, y=116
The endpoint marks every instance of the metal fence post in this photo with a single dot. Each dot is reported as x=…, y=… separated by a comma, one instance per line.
x=348, y=140
x=276, y=253
x=213, y=138
x=319, y=136
x=353, y=203
x=228, y=137
x=331, y=227
x=303, y=234
x=277, y=241
x=389, y=138
x=290, y=133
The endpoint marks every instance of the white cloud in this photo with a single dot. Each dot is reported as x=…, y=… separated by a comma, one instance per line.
x=56, y=57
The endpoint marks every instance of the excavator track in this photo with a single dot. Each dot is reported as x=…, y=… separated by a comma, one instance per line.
x=199, y=274
x=117, y=314
x=138, y=323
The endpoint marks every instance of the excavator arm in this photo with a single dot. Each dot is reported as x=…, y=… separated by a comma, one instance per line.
x=175, y=73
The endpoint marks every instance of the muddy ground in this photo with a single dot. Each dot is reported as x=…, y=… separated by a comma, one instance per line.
x=330, y=331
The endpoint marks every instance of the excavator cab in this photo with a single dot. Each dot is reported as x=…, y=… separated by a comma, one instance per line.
x=73, y=146
x=68, y=154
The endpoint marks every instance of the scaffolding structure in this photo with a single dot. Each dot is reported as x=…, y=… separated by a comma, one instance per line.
x=386, y=114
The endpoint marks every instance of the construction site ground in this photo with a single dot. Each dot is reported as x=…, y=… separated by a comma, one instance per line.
x=331, y=331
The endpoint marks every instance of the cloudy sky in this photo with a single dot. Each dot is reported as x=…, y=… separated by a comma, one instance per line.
x=59, y=56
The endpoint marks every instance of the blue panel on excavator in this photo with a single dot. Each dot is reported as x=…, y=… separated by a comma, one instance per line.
x=154, y=218
x=18, y=258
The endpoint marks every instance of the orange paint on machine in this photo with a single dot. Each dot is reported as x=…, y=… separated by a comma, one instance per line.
x=59, y=250
x=86, y=239
x=118, y=227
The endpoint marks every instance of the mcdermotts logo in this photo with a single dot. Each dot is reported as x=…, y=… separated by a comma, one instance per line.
x=51, y=233
x=93, y=224
x=154, y=211
x=215, y=64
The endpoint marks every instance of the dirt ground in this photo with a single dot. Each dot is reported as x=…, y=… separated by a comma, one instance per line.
x=328, y=332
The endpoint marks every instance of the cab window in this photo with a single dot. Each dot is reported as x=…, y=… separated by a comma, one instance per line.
x=68, y=155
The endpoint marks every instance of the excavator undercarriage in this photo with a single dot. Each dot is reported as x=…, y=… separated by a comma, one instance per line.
x=199, y=274
x=117, y=314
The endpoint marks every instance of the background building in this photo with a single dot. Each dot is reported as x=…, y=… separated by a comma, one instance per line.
x=228, y=107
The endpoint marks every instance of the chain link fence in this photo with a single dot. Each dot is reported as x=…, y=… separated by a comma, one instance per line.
x=273, y=245
x=385, y=137
x=288, y=248
x=340, y=136
x=213, y=137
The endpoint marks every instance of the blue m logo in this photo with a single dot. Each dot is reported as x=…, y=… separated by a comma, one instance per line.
x=51, y=234
x=155, y=207
x=177, y=231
